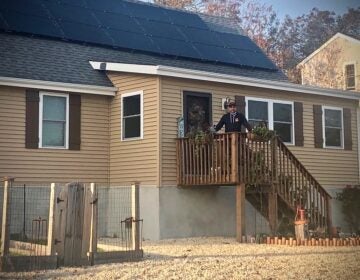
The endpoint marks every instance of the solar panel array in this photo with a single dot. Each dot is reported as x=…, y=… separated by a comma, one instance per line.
x=132, y=26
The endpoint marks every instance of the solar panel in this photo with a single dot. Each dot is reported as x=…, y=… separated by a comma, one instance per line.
x=135, y=41
x=200, y=36
x=76, y=14
x=176, y=48
x=33, y=8
x=237, y=41
x=185, y=19
x=252, y=59
x=111, y=6
x=134, y=26
x=27, y=24
x=117, y=21
x=160, y=29
x=86, y=33
x=146, y=11
x=214, y=53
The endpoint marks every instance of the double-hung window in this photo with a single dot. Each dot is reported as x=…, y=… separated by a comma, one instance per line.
x=333, y=127
x=276, y=115
x=350, y=76
x=132, y=115
x=54, y=120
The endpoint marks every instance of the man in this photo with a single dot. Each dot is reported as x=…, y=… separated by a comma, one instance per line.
x=233, y=120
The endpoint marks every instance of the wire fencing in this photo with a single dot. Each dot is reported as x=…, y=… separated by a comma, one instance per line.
x=116, y=220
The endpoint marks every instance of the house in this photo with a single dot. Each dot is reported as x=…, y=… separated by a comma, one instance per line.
x=334, y=65
x=92, y=91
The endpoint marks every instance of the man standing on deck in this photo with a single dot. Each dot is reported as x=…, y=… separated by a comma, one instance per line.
x=233, y=120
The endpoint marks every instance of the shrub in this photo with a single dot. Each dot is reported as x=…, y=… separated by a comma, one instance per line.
x=350, y=198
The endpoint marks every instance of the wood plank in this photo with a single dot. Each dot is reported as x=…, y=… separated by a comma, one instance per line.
x=6, y=214
x=52, y=214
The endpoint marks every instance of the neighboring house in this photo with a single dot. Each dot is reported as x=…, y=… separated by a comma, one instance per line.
x=93, y=93
x=336, y=64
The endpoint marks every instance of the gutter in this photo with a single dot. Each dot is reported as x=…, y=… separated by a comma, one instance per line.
x=58, y=86
x=169, y=71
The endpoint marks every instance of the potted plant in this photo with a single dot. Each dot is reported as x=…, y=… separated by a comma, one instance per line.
x=261, y=133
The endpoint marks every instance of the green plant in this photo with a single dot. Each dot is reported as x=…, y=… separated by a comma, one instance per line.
x=200, y=137
x=263, y=133
x=350, y=198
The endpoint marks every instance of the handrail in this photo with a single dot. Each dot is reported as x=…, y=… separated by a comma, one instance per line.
x=233, y=158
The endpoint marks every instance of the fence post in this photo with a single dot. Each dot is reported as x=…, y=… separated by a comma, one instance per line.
x=93, y=224
x=135, y=199
x=5, y=229
x=240, y=211
x=51, y=230
x=234, y=157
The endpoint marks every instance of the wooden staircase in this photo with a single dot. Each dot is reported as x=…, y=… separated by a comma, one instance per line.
x=266, y=168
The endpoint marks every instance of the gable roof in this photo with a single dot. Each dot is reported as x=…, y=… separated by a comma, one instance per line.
x=333, y=38
x=136, y=27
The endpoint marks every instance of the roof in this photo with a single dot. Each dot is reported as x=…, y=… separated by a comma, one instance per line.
x=333, y=38
x=136, y=27
x=59, y=61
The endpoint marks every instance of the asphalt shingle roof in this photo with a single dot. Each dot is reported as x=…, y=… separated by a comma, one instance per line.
x=60, y=61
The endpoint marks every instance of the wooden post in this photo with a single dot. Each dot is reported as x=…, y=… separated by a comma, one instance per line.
x=328, y=217
x=93, y=224
x=234, y=158
x=5, y=229
x=273, y=212
x=240, y=212
x=135, y=200
x=51, y=230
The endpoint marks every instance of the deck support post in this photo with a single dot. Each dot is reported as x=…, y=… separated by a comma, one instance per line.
x=273, y=212
x=240, y=211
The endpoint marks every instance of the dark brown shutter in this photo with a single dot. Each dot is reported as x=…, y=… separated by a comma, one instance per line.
x=318, y=129
x=240, y=105
x=347, y=129
x=299, y=124
x=32, y=119
x=74, y=121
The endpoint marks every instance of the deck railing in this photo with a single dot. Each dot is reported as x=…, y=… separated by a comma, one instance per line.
x=233, y=158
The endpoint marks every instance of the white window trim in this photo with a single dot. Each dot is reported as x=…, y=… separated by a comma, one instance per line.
x=342, y=127
x=41, y=95
x=270, y=103
x=355, y=74
x=141, y=93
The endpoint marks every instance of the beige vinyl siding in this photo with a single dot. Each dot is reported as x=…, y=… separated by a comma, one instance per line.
x=90, y=164
x=331, y=167
x=135, y=160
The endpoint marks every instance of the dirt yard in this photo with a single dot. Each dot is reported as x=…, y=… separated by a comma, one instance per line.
x=219, y=258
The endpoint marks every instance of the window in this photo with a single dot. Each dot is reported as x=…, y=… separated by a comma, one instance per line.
x=277, y=115
x=350, y=76
x=53, y=120
x=132, y=116
x=333, y=127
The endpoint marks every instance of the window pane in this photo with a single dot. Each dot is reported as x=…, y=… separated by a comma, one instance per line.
x=132, y=127
x=258, y=110
x=131, y=105
x=333, y=118
x=284, y=131
x=350, y=82
x=350, y=70
x=333, y=137
x=54, y=108
x=53, y=134
x=282, y=112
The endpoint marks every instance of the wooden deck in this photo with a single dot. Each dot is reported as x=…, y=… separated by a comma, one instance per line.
x=268, y=166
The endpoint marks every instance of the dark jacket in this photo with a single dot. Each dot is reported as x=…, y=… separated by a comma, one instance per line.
x=233, y=125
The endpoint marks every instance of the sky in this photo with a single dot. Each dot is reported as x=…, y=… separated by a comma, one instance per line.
x=298, y=7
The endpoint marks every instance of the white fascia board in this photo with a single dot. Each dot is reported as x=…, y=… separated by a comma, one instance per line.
x=169, y=71
x=63, y=87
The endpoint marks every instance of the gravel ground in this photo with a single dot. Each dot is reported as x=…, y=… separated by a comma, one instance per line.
x=219, y=258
